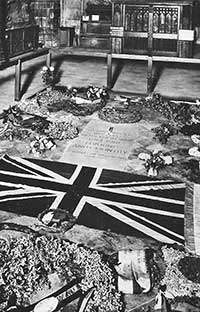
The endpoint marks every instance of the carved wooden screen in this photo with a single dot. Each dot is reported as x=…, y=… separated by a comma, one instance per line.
x=117, y=15
x=164, y=32
x=165, y=29
x=117, y=22
x=136, y=20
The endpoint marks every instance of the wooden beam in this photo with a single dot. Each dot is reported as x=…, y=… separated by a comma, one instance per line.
x=24, y=57
x=109, y=70
x=130, y=57
x=155, y=58
x=176, y=59
x=18, y=68
x=18, y=60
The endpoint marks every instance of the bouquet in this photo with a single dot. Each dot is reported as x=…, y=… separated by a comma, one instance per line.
x=41, y=144
x=48, y=76
x=164, y=132
x=155, y=161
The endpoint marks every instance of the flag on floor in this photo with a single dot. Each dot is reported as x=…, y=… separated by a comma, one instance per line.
x=100, y=198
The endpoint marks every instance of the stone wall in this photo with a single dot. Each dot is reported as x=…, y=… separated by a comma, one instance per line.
x=19, y=13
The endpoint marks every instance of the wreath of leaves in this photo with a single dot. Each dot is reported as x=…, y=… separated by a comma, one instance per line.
x=63, y=98
x=28, y=261
x=190, y=267
x=18, y=127
x=178, y=114
x=120, y=115
x=177, y=283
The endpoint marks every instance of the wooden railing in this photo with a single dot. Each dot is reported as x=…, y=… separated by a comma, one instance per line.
x=18, y=60
x=150, y=61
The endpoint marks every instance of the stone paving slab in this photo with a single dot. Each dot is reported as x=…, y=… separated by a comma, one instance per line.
x=132, y=78
x=179, y=81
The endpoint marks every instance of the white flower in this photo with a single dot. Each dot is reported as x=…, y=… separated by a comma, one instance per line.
x=152, y=172
x=167, y=159
x=195, y=138
x=44, y=68
x=156, y=151
x=194, y=151
x=144, y=156
x=51, y=68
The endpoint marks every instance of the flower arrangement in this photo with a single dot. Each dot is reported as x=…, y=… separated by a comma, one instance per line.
x=120, y=115
x=155, y=161
x=33, y=107
x=12, y=115
x=164, y=132
x=61, y=130
x=26, y=263
x=48, y=76
x=41, y=129
x=177, y=283
x=15, y=133
x=190, y=267
x=94, y=93
x=179, y=114
x=13, y=124
x=78, y=101
x=41, y=144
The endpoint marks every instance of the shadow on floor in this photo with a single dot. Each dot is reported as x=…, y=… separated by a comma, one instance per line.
x=116, y=72
x=34, y=69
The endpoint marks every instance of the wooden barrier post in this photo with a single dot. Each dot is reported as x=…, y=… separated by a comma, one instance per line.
x=48, y=60
x=109, y=70
x=150, y=51
x=18, y=68
x=149, y=74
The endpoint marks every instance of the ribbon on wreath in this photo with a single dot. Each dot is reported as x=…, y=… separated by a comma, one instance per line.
x=133, y=275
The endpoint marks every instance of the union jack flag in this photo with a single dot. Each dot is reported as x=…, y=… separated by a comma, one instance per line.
x=100, y=198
